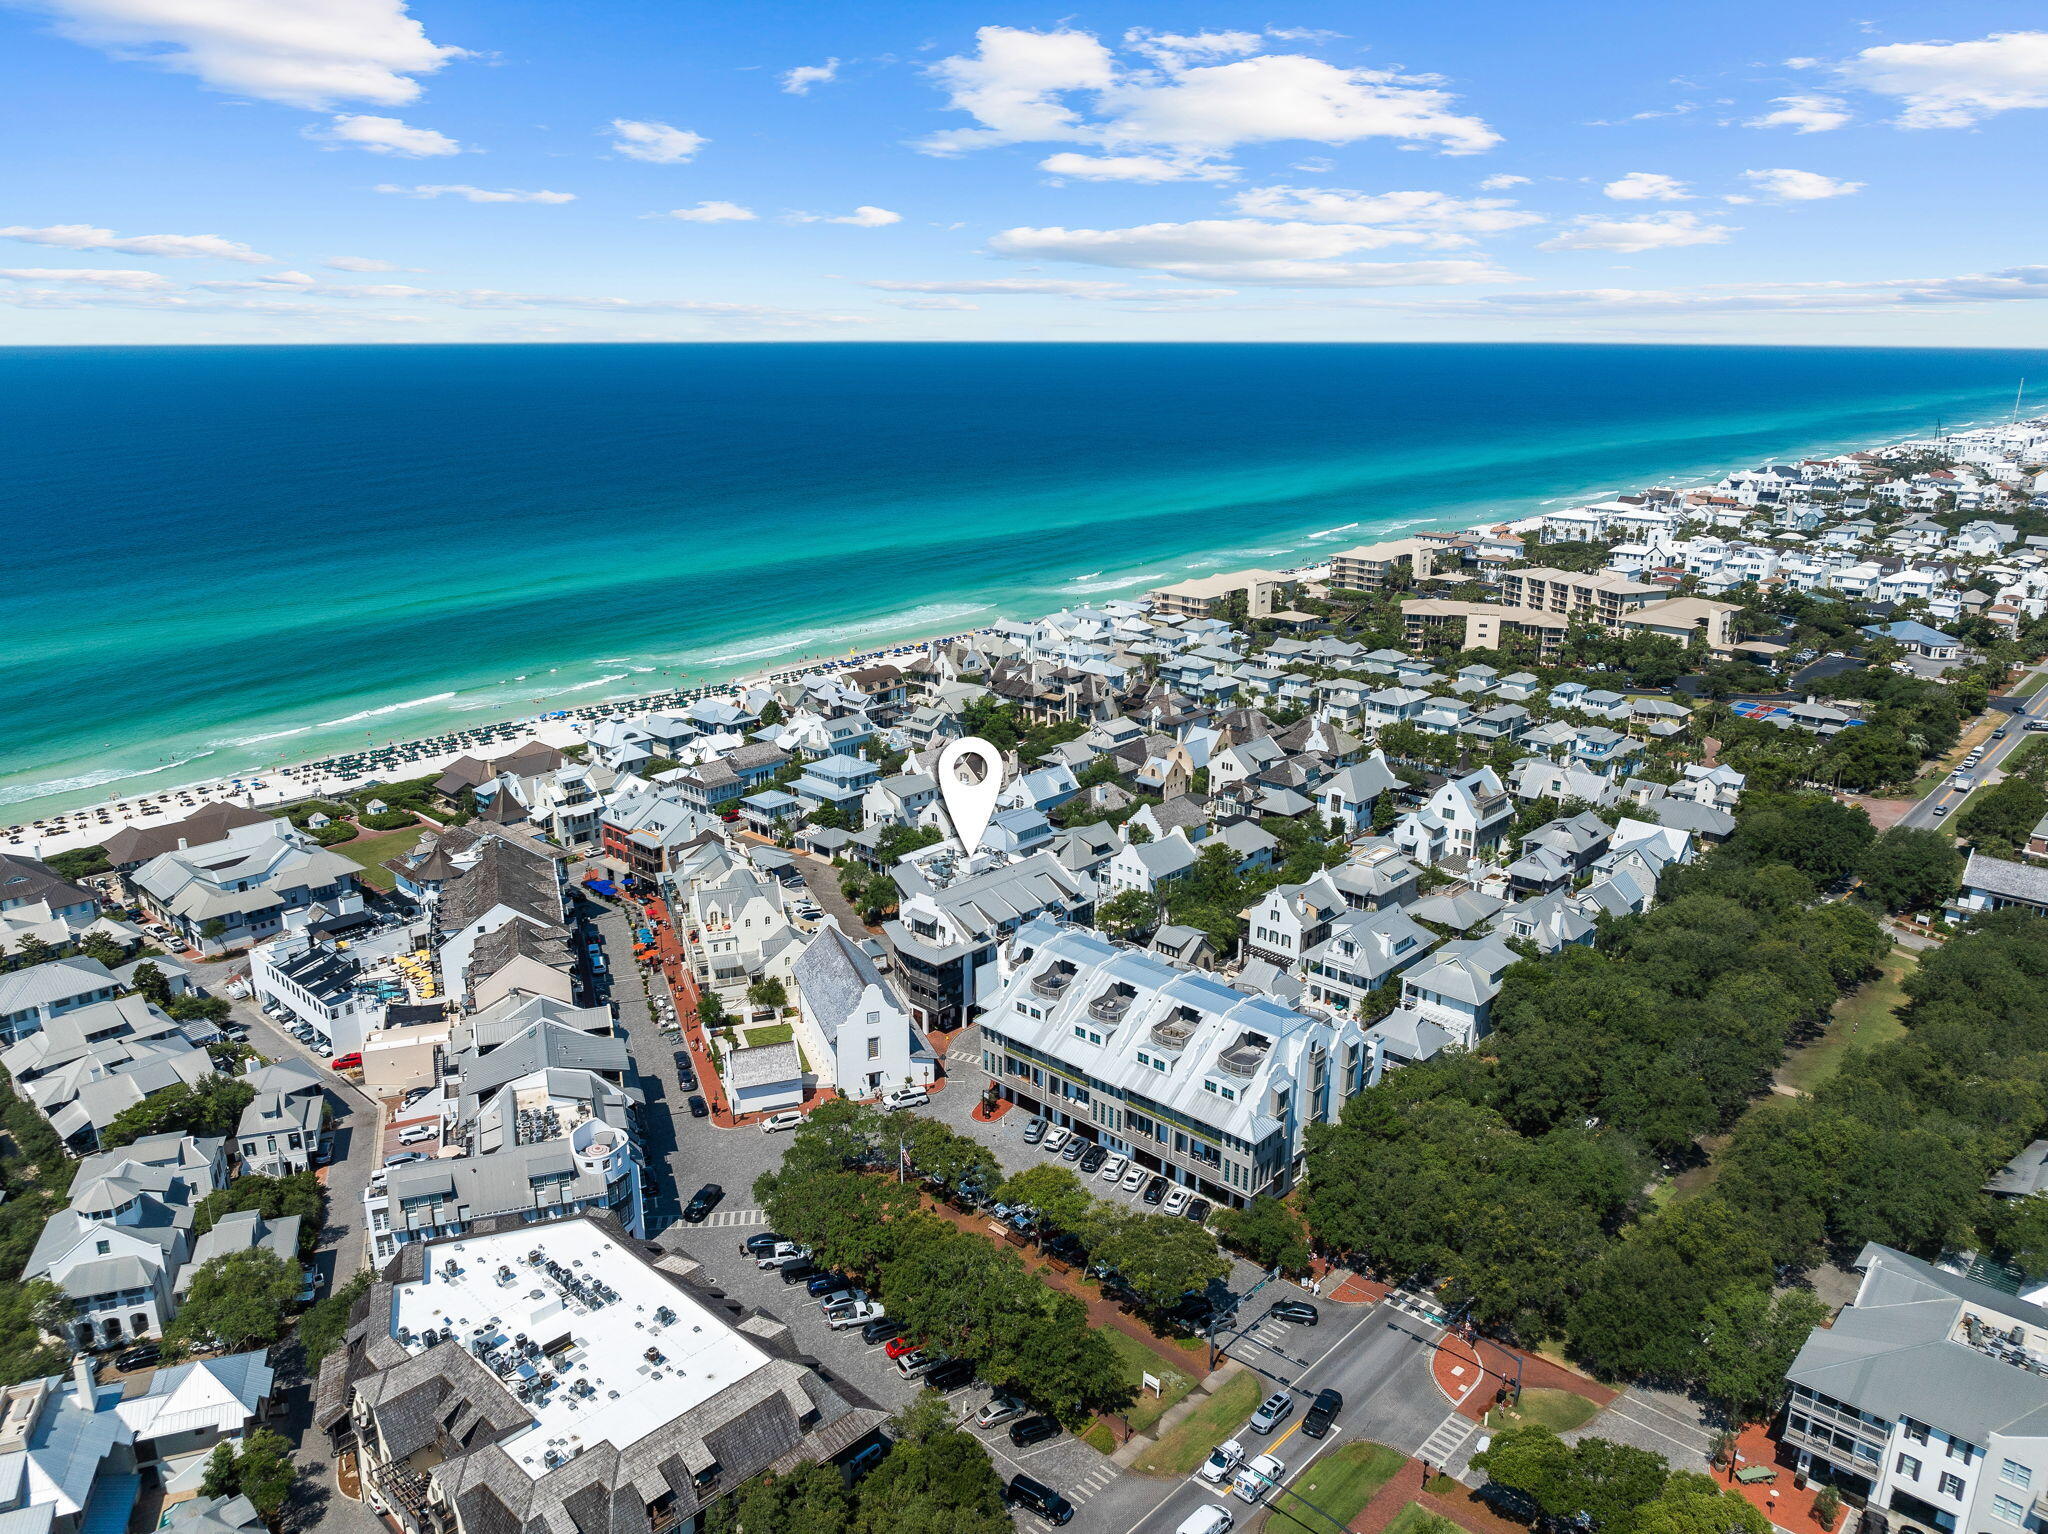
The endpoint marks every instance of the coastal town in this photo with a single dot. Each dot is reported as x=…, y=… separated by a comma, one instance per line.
x=1539, y=1025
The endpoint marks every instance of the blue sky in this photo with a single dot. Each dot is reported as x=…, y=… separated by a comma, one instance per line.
x=208, y=171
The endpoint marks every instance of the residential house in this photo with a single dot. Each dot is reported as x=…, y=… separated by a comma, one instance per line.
x=852, y=1027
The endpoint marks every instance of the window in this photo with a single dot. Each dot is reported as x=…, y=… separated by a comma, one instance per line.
x=1909, y=1467
x=1917, y=1431
x=1952, y=1486
x=2013, y=1473
x=2007, y=1509
x=1961, y=1449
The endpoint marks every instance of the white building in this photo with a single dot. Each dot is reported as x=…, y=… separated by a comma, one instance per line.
x=853, y=1029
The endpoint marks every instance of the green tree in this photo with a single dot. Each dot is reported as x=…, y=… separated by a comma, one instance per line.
x=1697, y=1504
x=1643, y=1310
x=2006, y=812
x=1816, y=835
x=936, y=1480
x=1127, y=913
x=151, y=985
x=851, y=1221
x=1751, y=1338
x=830, y=817
x=239, y=1300
x=1061, y=1199
x=79, y=862
x=711, y=1010
x=952, y=1160
x=272, y=1197
x=1607, y=1482
x=1266, y=1231
x=325, y=1322
x=769, y=992
x=1909, y=868
x=104, y=949
x=259, y=1468
x=1160, y=1257
x=213, y=1107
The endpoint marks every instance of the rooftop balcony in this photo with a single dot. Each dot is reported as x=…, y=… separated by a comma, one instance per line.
x=1054, y=982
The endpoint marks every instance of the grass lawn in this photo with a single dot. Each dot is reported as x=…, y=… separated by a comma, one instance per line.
x=369, y=850
x=1863, y=1019
x=1417, y=1519
x=2030, y=685
x=772, y=1033
x=1340, y=1483
x=1189, y=1443
x=1558, y=1410
x=1139, y=1361
x=1099, y=1438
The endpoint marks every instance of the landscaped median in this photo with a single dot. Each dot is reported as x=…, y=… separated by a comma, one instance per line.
x=1144, y=1412
x=1339, y=1484
x=1189, y=1441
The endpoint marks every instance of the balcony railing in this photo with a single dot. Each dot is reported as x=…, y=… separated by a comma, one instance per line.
x=1172, y=1032
x=1052, y=983
x=1241, y=1059
x=1109, y=1007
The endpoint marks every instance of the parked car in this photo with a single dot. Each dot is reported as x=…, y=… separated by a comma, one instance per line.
x=1033, y=1430
x=1000, y=1409
x=1258, y=1478
x=686, y=1078
x=418, y=1133
x=906, y=1097
x=1222, y=1460
x=405, y=1158
x=1040, y=1498
x=762, y=1243
x=1075, y=1149
x=917, y=1361
x=1034, y=1131
x=1112, y=1170
x=1208, y=1520
x=701, y=1203
x=855, y=1310
x=1176, y=1199
x=780, y=1255
x=779, y=1121
x=1092, y=1160
x=144, y=1355
x=1300, y=1312
x=698, y=1110
x=886, y=1329
x=1197, y=1210
x=1137, y=1177
x=828, y=1284
x=953, y=1374
x=1056, y=1139
x=898, y=1346
x=801, y=1272
x=1322, y=1414
x=352, y=1061
x=1273, y=1411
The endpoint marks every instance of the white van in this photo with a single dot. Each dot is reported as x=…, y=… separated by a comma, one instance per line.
x=1208, y=1520
x=1258, y=1478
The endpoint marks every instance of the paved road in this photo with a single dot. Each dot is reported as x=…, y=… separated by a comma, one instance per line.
x=1377, y=1358
x=666, y=1128
x=1996, y=751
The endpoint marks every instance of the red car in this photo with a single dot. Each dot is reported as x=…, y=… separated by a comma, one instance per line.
x=350, y=1062
x=896, y=1347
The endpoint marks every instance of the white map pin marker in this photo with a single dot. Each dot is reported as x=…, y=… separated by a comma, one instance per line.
x=970, y=776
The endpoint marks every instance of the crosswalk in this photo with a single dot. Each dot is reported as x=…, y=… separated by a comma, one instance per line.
x=1091, y=1483
x=1451, y=1435
x=730, y=1218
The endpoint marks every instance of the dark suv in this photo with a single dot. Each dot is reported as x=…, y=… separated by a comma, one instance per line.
x=881, y=1330
x=1040, y=1498
x=1033, y=1430
x=1322, y=1414
x=1092, y=1159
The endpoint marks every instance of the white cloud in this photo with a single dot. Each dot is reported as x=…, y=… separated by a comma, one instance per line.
x=1053, y=287
x=1135, y=167
x=1803, y=114
x=1799, y=185
x=712, y=212
x=866, y=216
x=1502, y=183
x=1647, y=186
x=96, y=277
x=1952, y=85
x=1433, y=218
x=179, y=246
x=308, y=53
x=1245, y=250
x=357, y=264
x=798, y=81
x=476, y=193
x=1018, y=86
x=931, y=303
x=1174, y=50
x=385, y=135
x=2012, y=284
x=1649, y=231
x=656, y=143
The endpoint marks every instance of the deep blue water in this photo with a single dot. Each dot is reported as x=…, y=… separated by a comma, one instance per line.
x=267, y=553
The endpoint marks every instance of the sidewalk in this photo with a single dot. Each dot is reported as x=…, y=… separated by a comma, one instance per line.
x=1471, y=1371
x=1405, y=1486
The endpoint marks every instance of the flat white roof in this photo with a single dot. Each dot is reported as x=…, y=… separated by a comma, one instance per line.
x=595, y=1351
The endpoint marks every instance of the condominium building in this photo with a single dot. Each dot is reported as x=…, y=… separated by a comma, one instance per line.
x=1598, y=596
x=1369, y=567
x=1205, y=1084
x=1207, y=596
x=1927, y=1401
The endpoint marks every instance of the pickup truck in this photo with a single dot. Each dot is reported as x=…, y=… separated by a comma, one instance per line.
x=855, y=1310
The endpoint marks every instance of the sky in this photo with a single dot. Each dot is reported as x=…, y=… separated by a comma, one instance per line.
x=293, y=171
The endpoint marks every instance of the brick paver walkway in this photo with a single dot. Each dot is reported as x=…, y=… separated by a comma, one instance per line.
x=1470, y=1372
x=1405, y=1486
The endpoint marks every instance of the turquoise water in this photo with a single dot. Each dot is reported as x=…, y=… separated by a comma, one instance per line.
x=226, y=558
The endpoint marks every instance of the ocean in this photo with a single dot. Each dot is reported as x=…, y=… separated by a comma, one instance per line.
x=225, y=558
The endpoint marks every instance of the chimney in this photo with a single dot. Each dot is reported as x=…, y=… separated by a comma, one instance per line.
x=181, y=844
x=82, y=1381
